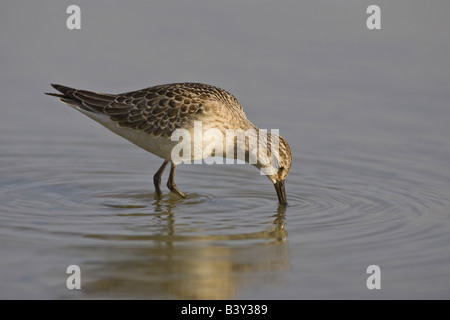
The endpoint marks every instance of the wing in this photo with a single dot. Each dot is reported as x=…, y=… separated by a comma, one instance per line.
x=156, y=110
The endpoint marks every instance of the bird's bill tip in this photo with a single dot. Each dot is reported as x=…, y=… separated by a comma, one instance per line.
x=281, y=192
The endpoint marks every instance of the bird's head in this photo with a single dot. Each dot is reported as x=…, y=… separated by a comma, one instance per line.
x=276, y=166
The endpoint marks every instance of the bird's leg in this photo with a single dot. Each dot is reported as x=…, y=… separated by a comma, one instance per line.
x=157, y=178
x=171, y=183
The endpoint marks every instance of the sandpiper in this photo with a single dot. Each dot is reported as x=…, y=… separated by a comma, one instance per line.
x=148, y=118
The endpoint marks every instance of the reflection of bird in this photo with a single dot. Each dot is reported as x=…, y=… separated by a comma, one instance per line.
x=148, y=117
x=178, y=260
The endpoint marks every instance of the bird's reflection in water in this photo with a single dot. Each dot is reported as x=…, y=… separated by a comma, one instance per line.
x=175, y=265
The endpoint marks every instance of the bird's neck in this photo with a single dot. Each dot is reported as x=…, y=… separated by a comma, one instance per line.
x=254, y=146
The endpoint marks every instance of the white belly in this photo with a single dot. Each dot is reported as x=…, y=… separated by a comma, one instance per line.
x=160, y=146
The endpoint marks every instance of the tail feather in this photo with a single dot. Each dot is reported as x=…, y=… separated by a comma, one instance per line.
x=95, y=95
x=92, y=98
x=67, y=91
x=55, y=94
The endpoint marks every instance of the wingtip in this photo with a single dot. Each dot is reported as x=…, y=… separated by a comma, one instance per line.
x=54, y=94
x=56, y=87
x=66, y=91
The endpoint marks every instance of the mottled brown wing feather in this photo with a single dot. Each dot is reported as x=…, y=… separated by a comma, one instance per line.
x=157, y=110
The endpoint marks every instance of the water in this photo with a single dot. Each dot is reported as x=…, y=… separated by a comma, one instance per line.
x=366, y=114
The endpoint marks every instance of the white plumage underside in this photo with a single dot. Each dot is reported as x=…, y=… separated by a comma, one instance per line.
x=160, y=146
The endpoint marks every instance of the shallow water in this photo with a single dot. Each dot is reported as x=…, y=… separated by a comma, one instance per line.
x=366, y=115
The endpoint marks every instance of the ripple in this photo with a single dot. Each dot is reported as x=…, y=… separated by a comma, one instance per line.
x=140, y=200
x=338, y=204
x=368, y=210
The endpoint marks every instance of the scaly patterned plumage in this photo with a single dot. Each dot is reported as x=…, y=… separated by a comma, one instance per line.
x=158, y=110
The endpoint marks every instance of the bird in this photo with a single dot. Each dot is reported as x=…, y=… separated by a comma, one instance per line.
x=149, y=118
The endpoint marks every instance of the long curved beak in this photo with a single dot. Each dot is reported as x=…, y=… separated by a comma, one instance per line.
x=281, y=192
